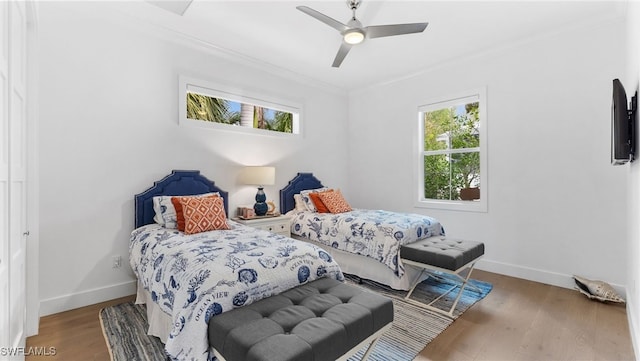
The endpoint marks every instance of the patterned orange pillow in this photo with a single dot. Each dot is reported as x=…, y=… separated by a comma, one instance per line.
x=335, y=202
x=180, y=213
x=320, y=207
x=203, y=214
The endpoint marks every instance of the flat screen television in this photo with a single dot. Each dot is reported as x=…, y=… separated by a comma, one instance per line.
x=622, y=125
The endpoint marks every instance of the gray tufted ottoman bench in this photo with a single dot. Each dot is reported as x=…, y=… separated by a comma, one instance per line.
x=440, y=254
x=321, y=320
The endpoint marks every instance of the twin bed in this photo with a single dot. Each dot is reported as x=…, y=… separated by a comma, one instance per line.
x=187, y=279
x=365, y=243
x=398, y=250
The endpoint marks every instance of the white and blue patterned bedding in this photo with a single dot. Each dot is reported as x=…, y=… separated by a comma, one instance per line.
x=195, y=277
x=373, y=233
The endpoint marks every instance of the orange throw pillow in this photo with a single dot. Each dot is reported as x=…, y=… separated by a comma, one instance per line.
x=179, y=212
x=179, y=215
x=203, y=214
x=320, y=207
x=335, y=202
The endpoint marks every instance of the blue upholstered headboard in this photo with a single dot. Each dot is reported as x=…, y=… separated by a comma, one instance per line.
x=300, y=182
x=178, y=183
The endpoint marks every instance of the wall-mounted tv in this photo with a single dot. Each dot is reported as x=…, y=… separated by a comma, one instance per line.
x=622, y=125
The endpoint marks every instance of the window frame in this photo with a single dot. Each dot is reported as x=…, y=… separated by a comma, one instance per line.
x=481, y=205
x=220, y=90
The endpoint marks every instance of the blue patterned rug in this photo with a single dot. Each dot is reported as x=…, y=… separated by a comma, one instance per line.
x=125, y=325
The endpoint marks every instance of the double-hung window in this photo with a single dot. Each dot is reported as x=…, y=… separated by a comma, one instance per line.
x=452, y=162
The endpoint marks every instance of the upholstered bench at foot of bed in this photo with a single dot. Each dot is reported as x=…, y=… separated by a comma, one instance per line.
x=439, y=254
x=321, y=320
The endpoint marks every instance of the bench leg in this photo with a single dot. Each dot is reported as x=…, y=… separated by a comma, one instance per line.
x=464, y=281
x=371, y=340
x=365, y=357
x=415, y=284
x=442, y=279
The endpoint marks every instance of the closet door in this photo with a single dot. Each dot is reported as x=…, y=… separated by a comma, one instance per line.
x=13, y=174
x=17, y=170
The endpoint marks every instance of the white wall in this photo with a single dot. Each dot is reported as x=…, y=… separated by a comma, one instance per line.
x=556, y=206
x=631, y=82
x=109, y=129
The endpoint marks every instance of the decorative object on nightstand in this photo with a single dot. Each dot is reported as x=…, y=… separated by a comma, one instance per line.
x=260, y=176
x=271, y=208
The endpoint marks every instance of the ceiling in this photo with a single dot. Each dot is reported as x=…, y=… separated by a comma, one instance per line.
x=275, y=35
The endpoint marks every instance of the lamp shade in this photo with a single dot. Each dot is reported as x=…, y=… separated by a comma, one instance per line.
x=260, y=176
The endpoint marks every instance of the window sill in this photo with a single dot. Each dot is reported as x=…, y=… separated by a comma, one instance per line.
x=234, y=128
x=462, y=206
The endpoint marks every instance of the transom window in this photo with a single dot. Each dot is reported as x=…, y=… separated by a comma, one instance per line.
x=220, y=110
x=452, y=153
x=214, y=105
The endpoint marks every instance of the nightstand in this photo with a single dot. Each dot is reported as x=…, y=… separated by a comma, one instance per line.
x=279, y=225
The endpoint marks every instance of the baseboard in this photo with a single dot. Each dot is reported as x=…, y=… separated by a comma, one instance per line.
x=85, y=298
x=634, y=326
x=537, y=275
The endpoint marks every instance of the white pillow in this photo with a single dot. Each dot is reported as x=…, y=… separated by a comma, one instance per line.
x=308, y=203
x=300, y=207
x=166, y=212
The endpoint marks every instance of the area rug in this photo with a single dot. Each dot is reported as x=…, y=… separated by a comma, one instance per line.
x=125, y=325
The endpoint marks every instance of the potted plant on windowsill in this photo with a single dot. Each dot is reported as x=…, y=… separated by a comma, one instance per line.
x=469, y=194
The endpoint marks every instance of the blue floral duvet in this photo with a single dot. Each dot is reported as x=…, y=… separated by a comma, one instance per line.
x=373, y=233
x=195, y=277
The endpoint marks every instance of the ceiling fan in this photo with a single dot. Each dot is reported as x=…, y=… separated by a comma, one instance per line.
x=354, y=33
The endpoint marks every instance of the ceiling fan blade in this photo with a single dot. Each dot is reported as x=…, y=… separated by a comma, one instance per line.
x=322, y=17
x=342, y=52
x=378, y=31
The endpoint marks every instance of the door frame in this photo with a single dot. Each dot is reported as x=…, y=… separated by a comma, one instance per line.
x=32, y=261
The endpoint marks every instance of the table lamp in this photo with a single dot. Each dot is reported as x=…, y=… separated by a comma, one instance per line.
x=260, y=176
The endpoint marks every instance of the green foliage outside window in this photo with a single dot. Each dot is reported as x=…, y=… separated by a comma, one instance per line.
x=225, y=111
x=451, y=145
x=210, y=109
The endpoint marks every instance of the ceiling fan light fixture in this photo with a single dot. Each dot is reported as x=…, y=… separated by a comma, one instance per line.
x=354, y=33
x=353, y=36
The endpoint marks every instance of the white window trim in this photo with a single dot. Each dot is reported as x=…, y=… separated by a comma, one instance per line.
x=221, y=90
x=479, y=94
